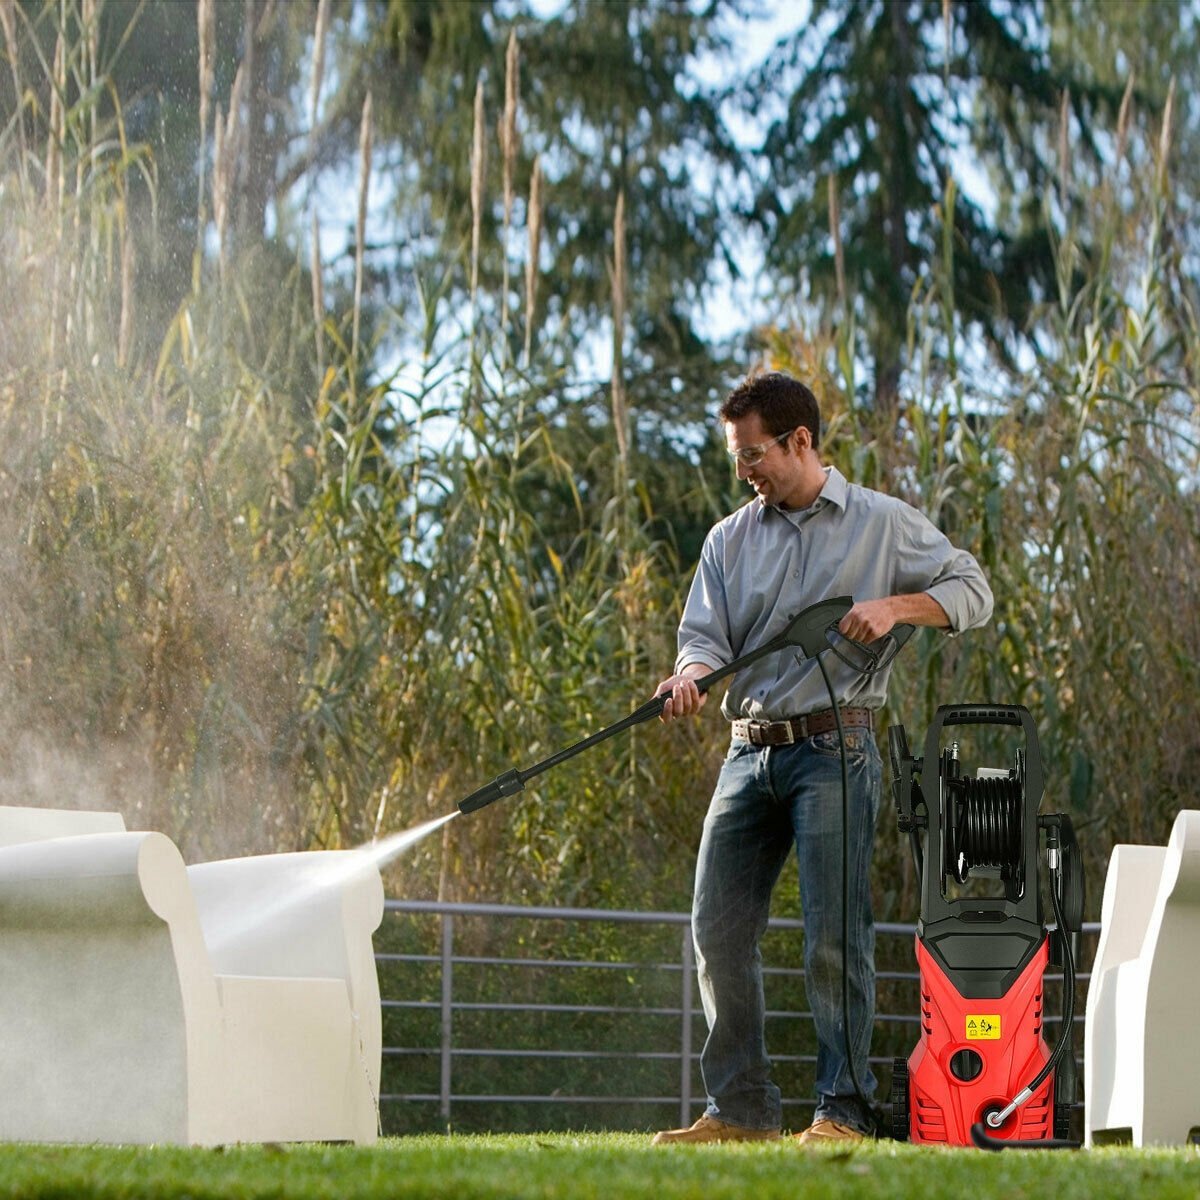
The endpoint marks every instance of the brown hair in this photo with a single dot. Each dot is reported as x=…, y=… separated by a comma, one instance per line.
x=782, y=402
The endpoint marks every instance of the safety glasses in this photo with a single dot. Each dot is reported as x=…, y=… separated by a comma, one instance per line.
x=750, y=456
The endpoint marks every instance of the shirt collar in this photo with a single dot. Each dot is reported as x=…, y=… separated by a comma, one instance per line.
x=834, y=491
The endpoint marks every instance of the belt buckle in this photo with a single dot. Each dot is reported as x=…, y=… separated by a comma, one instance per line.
x=790, y=739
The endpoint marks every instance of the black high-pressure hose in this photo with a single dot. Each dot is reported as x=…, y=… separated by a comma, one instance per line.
x=979, y=1133
x=871, y=1111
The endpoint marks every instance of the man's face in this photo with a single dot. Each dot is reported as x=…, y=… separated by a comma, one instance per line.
x=779, y=474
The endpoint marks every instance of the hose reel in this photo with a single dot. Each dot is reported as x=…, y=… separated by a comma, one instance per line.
x=984, y=827
x=985, y=830
x=985, y=822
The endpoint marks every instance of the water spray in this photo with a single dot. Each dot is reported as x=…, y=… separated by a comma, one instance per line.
x=381, y=853
x=308, y=879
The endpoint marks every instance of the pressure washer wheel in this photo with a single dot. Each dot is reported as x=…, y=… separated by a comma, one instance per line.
x=900, y=1099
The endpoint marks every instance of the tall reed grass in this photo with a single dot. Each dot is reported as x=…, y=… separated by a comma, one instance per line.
x=253, y=601
x=262, y=591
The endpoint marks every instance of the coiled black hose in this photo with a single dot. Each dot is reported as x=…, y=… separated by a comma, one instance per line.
x=985, y=827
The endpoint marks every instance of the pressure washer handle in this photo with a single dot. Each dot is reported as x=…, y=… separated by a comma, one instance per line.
x=982, y=714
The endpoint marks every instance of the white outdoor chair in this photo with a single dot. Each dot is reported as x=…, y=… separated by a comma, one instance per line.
x=142, y=1001
x=1141, y=1052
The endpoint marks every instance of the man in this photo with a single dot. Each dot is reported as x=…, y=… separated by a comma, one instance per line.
x=808, y=536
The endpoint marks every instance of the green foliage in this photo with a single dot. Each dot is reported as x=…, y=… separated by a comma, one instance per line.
x=611, y=110
x=607, y=105
x=294, y=614
x=880, y=101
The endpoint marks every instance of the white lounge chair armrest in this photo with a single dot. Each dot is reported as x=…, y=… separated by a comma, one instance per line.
x=1130, y=888
x=18, y=824
x=304, y=915
x=98, y=879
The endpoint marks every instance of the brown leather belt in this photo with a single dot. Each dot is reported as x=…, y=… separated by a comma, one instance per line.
x=796, y=729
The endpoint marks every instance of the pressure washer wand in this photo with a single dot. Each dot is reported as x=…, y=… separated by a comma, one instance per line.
x=807, y=631
x=514, y=781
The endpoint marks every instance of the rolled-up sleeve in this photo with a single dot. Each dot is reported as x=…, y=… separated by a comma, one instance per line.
x=704, y=629
x=929, y=563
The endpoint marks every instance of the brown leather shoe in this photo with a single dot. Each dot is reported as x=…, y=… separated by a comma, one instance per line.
x=709, y=1129
x=827, y=1132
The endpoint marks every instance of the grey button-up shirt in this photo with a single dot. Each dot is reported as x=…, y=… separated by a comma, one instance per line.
x=761, y=565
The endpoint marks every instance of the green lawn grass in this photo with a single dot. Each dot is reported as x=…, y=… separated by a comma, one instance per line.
x=584, y=1166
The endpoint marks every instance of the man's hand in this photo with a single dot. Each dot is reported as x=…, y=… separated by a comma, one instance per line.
x=686, y=698
x=869, y=620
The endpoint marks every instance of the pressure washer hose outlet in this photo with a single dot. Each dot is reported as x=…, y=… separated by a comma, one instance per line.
x=996, y=1119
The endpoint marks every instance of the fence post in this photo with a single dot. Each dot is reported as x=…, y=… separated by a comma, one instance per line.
x=688, y=962
x=447, y=1009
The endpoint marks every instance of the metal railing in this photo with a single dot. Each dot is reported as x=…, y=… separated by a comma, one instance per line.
x=439, y=998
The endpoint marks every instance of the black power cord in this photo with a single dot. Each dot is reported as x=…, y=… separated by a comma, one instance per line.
x=871, y=1111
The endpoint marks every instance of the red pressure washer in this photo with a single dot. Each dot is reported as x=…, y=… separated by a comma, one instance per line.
x=982, y=1071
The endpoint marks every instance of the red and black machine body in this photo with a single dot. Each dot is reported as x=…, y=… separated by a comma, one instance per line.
x=982, y=947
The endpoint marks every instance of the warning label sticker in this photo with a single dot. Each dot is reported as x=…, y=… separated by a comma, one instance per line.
x=983, y=1027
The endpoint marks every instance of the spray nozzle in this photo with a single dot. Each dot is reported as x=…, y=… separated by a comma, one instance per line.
x=503, y=785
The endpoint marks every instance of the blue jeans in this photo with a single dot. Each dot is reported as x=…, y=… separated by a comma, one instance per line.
x=766, y=801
